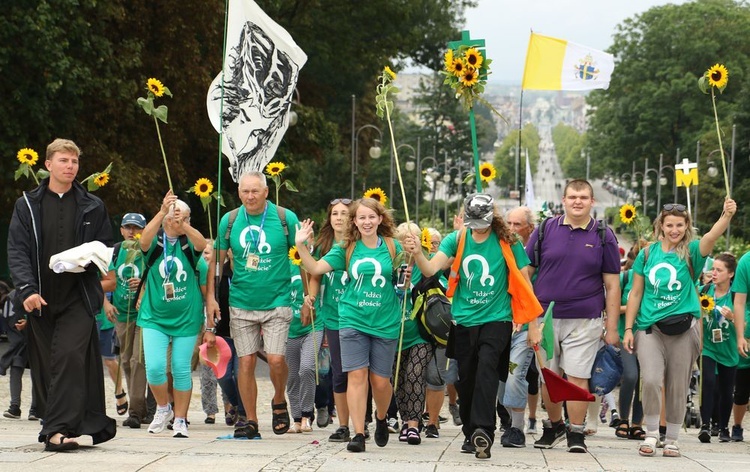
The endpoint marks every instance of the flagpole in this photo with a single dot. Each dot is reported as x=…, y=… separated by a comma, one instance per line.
x=217, y=274
x=518, y=141
x=475, y=149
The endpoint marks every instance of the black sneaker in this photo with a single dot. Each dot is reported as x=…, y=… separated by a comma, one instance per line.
x=132, y=422
x=381, y=432
x=32, y=416
x=357, y=444
x=575, y=442
x=715, y=430
x=442, y=419
x=737, y=433
x=14, y=412
x=704, y=435
x=724, y=435
x=341, y=435
x=467, y=447
x=551, y=435
x=431, y=431
x=367, y=430
x=482, y=444
x=514, y=437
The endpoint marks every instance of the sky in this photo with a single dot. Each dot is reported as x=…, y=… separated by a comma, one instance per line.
x=505, y=25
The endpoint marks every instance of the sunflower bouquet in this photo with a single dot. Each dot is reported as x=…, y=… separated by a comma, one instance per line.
x=274, y=170
x=466, y=71
x=155, y=89
x=203, y=188
x=98, y=180
x=716, y=78
x=28, y=159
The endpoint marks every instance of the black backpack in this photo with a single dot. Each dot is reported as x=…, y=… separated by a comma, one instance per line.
x=432, y=310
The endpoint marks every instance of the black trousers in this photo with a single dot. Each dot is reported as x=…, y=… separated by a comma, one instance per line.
x=67, y=374
x=482, y=353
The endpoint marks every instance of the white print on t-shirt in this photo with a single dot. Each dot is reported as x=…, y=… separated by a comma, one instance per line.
x=181, y=274
x=673, y=284
x=294, y=291
x=486, y=278
x=121, y=272
x=263, y=246
x=378, y=277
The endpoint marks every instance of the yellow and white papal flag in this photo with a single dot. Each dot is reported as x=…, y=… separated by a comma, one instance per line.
x=557, y=64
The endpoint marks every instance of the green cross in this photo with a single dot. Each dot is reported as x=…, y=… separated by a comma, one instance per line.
x=466, y=41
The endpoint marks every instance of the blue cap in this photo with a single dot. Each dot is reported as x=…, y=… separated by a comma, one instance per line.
x=135, y=219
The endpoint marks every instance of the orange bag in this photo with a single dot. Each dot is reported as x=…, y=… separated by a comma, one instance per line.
x=523, y=302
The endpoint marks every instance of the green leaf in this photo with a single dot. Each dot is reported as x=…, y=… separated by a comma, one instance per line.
x=167, y=92
x=703, y=84
x=161, y=113
x=469, y=178
x=42, y=174
x=108, y=169
x=21, y=171
x=290, y=186
x=147, y=104
x=91, y=185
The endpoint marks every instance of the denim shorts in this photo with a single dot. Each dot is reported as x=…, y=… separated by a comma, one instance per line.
x=513, y=393
x=106, y=344
x=359, y=350
x=441, y=371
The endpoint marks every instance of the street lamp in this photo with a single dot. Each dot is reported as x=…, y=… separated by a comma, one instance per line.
x=447, y=181
x=647, y=183
x=663, y=181
x=410, y=165
x=375, y=150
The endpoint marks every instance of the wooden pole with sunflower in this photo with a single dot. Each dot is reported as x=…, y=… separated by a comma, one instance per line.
x=274, y=170
x=203, y=188
x=716, y=78
x=156, y=90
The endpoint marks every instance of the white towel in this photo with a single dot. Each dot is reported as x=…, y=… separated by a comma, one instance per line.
x=77, y=258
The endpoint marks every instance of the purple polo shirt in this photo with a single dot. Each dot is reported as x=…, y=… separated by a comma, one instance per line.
x=572, y=264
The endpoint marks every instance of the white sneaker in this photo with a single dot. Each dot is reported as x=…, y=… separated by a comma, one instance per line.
x=161, y=419
x=180, y=428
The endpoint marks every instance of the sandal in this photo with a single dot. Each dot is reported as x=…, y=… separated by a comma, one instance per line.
x=671, y=449
x=413, y=436
x=636, y=432
x=295, y=428
x=648, y=447
x=622, y=431
x=62, y=446
x=122, y=408
x=280, y=421
x=306, y=427
x=246, y=429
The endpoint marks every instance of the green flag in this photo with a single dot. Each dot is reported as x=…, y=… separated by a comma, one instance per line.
x=548, y=332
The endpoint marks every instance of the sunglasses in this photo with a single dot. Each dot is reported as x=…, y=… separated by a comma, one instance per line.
x=674, y=206
x=345, y=201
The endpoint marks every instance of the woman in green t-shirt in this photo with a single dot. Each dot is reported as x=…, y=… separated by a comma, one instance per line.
x=720, y=356
x=664, y=308
x=368, y=309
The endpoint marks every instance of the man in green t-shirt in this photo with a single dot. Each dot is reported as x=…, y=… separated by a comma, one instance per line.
x=124, y=275
x=259, y=297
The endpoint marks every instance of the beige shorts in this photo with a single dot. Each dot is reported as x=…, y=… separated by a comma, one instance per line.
x=247, y=327
x=576, y=344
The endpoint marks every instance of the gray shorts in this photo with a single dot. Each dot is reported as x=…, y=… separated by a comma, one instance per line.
x=576, y=344
x=247, y=326
x=441, y=371
x=359, y=350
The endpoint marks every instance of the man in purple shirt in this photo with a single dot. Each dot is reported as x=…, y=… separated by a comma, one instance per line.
x=581, y=275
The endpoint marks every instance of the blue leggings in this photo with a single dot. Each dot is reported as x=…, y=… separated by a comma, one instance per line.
x=155, y=345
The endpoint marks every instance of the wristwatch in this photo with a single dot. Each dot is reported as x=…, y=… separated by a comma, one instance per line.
x=211, y=330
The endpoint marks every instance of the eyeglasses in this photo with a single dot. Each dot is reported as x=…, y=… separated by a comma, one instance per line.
x=674, y=206
x=345, y=201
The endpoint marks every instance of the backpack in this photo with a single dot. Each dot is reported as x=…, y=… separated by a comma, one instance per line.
x=159, y=250
x=601, y=228
x=706, y=287
x=432, y=310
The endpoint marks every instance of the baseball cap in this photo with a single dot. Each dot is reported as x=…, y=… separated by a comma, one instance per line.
x=135, y=219
x=479, y=209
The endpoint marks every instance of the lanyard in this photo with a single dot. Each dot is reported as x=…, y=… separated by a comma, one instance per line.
x=168, y=261
x=251, y=236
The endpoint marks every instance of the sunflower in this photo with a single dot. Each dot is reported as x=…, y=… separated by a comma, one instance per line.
x=487, y=172
x=469, y=77
x=448, y=60
x=27, y=156
x=627, y=213
x=388, y=71
x=101, y=179
x=458, y=67
x=275, y=168
x=155, y=86
x=294, y=256
x=473, y=58
x=707, y=302
x=426, y=239
x=203, y=187
x=376, y=193
x=718, y=76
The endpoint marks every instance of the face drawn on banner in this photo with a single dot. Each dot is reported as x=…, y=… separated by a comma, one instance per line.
x=261, y=68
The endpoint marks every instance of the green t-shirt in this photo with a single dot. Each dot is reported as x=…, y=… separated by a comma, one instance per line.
x=742, y=285
x=668, y=289
x=369, y=303
x=296, y=330
x=183, y=314
x=724, y=352
x=103, y=321
x=624, y=294
x=482, y=293
x=123, y=298
x=262, y=236
x=412, y=336
x=332, y=287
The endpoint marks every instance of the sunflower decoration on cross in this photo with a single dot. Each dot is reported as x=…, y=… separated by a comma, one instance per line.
x=274, y=170
x=98, y=180
x=203, y=188
x=28, y=158
x=156, y=89
x=716, y=78
x=376, y=193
